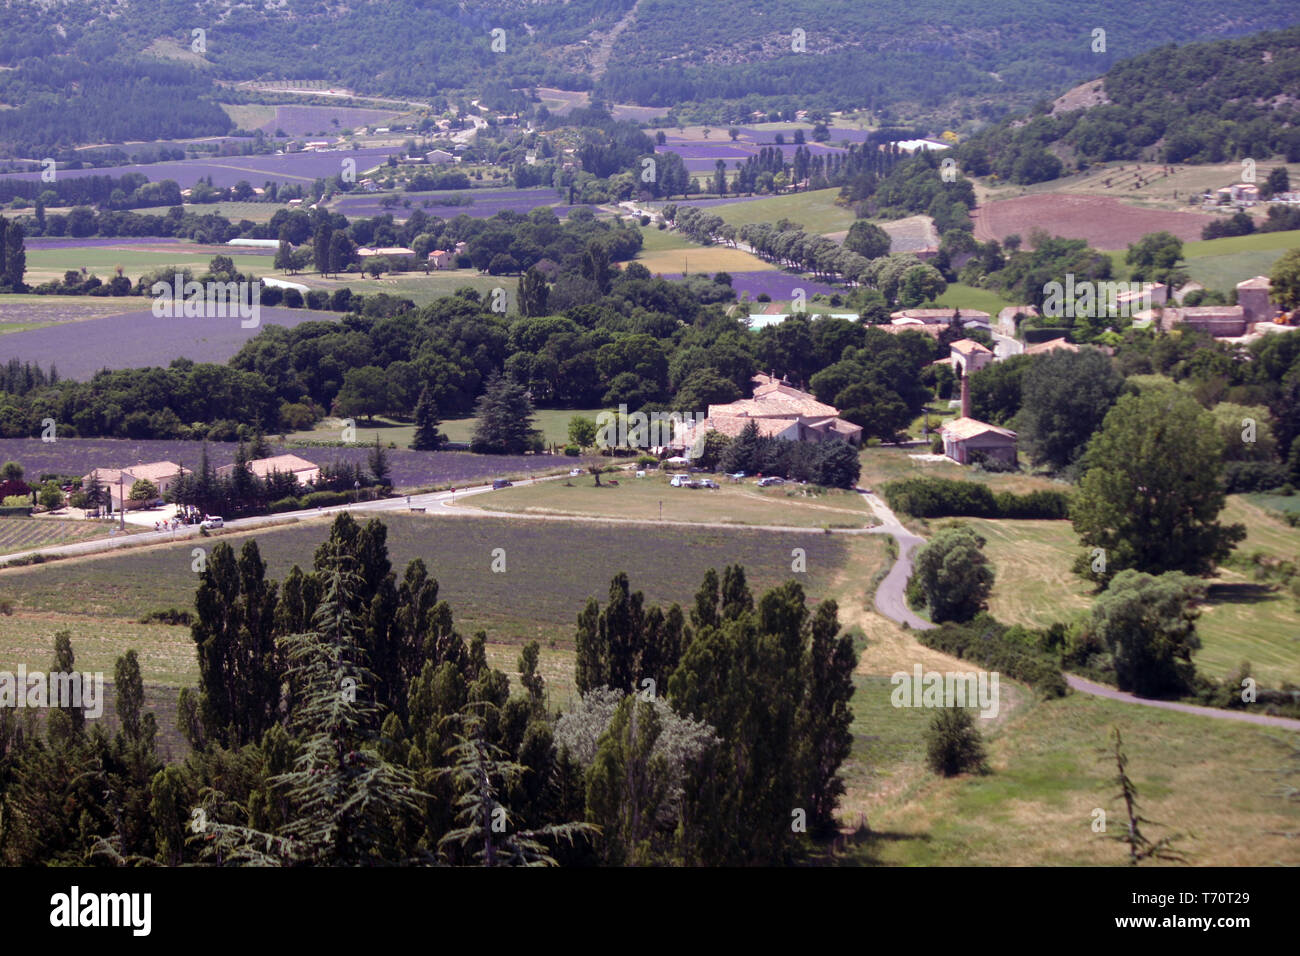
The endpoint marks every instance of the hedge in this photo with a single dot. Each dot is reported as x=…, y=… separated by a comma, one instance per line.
x=947, y=498
x=984, y=641
x=15, y=511
x=324, y=499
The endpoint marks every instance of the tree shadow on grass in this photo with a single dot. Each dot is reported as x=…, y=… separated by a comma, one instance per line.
x=1240, y=592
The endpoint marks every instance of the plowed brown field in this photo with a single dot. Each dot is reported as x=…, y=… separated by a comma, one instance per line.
x=1104, y=222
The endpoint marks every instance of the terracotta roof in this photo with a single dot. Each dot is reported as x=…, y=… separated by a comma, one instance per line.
x=937, y=315
x=733, y=425
x=154, y=470
x=1259, y=282
x=1052, y=345
x=281, y=463
x=969, y=347
x=965, y=428
x=776, y=405
x=933, y=331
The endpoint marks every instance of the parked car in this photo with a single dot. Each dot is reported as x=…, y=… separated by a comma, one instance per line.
x=708, y=483
x=575, y=472
x=501, y=483
x=770, y=480
x=212, y=521
x=681, y=481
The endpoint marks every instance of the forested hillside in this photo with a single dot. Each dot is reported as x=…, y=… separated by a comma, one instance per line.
x=719, y=60
x=1201, y=103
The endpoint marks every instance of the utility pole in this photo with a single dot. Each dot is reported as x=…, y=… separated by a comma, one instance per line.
x=121, y=502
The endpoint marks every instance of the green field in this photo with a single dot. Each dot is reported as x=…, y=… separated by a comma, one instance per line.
x=814, y=211
x=1222, y=263
x=960, y=296
x=652, y=498
x=1195, y=776
x=234, y=211
x=1241, y=620
x=664, y=251
x=554, y=423
x=46, y=264
x=419, y=288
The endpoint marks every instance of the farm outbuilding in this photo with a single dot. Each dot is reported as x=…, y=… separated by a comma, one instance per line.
x=963, y=436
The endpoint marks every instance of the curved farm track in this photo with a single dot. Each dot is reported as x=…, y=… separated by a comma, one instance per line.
x=1104, y=221
x=891, y=601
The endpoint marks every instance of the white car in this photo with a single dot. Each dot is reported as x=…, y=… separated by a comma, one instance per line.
x=212, y=521
x=681, y=481
x=575, y=472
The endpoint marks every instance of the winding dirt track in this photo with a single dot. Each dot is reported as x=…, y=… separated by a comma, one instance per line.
x=891, y=601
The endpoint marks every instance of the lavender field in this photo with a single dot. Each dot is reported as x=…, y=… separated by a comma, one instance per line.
x=486, y=203
x=38, y=243
x=228, y=170
x=138, y=339
x=410, y=469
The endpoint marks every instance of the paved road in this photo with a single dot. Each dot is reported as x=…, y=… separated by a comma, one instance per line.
x=1101, y=690
x=891, y=596
x=891, y=601
x=1005, y=346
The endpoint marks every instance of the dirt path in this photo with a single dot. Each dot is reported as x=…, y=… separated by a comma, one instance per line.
x=1101, y=690
x=891, y=601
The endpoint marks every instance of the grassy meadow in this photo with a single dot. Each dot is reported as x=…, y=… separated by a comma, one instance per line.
x=652, y=498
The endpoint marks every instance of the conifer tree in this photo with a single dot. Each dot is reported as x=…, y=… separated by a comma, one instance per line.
x=427, y=436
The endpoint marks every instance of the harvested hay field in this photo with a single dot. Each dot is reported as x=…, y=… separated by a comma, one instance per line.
x=1104, y=222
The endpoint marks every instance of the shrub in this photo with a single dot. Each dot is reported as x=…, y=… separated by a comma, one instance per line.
x=1243, y=476
x=169, y=616
x=950, y=498
x=936, y=446
x=325, y=499
x=993, y=645
x=286, y=504
x=953, y=743
x=573, y=451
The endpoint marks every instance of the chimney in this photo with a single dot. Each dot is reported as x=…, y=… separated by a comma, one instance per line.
x=965, y=395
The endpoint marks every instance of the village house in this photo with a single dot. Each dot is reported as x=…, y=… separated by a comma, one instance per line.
x=119, y=481
x=1221, y=321
x=365, y=252
x=439, y=157
x=779, y=410
x=439, y=259
x=305, y=471
x=1061, y=344
x=1253, y=297
x=967, y=317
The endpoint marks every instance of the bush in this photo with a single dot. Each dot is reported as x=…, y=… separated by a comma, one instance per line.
x=993, y=645
x=1243, y=476
x=169, y=616
x=573, y=451
x=15, y=511
x=936, y=446
x=953, y=743
x=286, y=504
x=325, y=499
x=950, y=498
